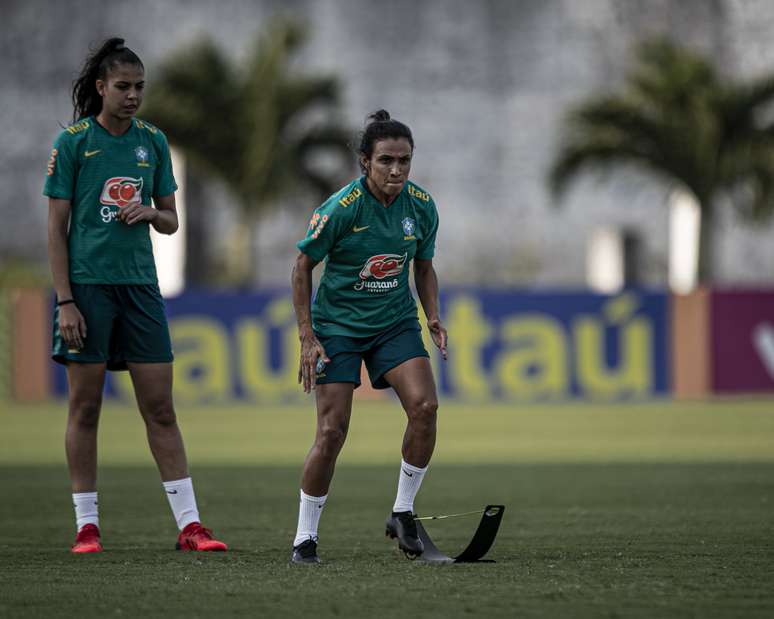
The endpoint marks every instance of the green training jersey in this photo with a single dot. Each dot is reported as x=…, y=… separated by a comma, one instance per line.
x=99, y=172
x=367, y=248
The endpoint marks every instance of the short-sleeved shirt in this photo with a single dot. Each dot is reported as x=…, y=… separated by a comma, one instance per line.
x=367, y=248
x=99, y=172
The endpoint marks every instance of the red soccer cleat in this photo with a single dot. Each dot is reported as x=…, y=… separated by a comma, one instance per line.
x=196, y=537
x=87, y=540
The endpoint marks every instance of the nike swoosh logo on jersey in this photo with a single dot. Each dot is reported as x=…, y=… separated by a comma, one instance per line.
x=171, y=491
x=91, y=153
x=356, y=229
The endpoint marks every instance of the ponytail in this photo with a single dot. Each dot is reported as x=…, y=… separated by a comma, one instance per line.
x=86, y=100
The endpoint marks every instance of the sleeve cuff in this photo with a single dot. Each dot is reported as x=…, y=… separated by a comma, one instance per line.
x=57, y=195
x=310, y=252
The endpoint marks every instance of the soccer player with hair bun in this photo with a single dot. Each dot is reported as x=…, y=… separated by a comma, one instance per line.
x=367, y=233
x=103, y=173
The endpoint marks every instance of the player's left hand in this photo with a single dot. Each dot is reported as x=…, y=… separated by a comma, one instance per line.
x=134, y=213
x=439, y=335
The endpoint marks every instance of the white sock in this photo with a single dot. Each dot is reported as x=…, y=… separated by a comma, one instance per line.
x=309, y=511
x=86, y=512
x=181, y=498
x=408, y=486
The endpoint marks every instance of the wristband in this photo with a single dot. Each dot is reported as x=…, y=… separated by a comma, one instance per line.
x=65, y=302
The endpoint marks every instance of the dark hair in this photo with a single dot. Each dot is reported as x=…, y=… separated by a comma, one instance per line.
x=112, y=52
x=381, y=127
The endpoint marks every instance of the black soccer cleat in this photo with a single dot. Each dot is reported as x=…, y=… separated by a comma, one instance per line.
x=305, y=552
x=401, y=525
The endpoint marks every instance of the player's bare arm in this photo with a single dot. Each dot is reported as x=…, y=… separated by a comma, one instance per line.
x=71, y=322
x=426, y=282
x=311, y=349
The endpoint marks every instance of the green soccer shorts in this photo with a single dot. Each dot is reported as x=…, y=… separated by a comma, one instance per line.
x=124, y=323
x=381, y=353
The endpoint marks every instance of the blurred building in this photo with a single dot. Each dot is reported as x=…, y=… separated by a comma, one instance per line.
x=483, y=85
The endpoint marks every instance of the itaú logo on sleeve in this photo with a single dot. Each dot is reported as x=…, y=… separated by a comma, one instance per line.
x=377, y=269
x=119, y=191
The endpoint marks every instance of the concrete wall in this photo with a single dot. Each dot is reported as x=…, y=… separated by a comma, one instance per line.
x=482, y=84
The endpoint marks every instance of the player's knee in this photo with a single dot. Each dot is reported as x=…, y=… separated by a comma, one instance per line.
x=331, y=439
x=161, y=413
x=424, y=414
x=85, y=413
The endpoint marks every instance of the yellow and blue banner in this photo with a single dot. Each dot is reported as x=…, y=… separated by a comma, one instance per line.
x=503, y=345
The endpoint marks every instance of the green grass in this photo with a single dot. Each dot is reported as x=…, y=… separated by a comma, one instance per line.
x=612, y=510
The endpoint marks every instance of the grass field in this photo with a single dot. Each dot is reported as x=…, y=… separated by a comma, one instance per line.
x=644, y=510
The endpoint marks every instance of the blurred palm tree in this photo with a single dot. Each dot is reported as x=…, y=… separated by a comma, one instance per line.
x=250, y=123
x=677, y=118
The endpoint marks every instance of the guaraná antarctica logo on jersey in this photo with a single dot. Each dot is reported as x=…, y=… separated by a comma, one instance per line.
x=379, y=267
x=119, y=191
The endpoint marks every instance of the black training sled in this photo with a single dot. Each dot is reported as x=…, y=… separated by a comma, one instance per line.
x=482, y=540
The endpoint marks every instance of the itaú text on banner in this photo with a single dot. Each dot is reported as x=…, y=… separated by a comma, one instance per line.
x=503, y=345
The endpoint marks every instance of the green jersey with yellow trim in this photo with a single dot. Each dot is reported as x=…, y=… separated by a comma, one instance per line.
x=367, y=249
x=99, y=172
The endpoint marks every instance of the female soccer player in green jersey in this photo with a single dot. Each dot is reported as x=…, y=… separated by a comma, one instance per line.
x=103, y=172
x=368, y=233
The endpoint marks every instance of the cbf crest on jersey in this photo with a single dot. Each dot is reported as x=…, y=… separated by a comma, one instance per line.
x=408, y=226
x=142, y=155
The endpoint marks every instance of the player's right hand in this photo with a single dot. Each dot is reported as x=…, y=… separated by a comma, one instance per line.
x=311, y=352
x=72, y=326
